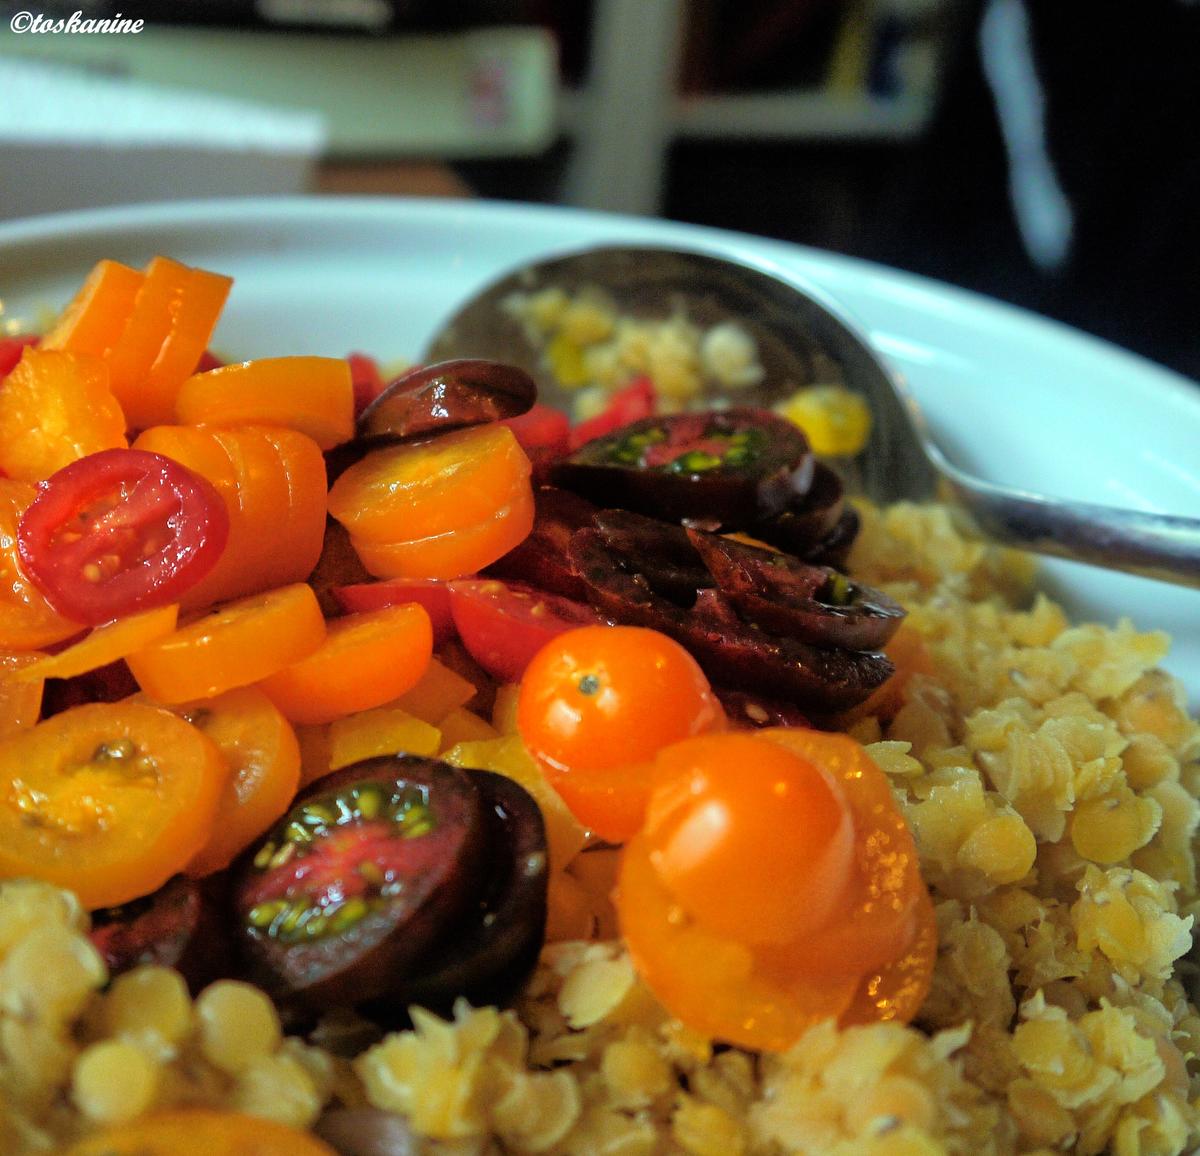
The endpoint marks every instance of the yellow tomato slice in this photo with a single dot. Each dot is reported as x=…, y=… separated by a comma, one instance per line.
x=238, y=644
x=103, y=645
x=108, y=800
x=20, y=698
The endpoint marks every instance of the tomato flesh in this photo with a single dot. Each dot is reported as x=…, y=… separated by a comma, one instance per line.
x=11, y=349
x=432, y=593
x=120, y=531
x=504, y=624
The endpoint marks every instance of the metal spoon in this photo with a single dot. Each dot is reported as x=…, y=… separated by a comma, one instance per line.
x=802, y=338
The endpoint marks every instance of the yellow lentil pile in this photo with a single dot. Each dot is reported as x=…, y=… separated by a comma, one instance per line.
x=1049, y=773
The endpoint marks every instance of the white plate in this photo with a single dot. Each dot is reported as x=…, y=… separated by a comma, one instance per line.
x=1012, y=396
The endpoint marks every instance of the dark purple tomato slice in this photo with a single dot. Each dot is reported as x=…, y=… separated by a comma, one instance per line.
x=731, y=651
x=181, y=925
x=120, y=531
x=661, y=552
x=504, y=624
x=433, y=399
x=834, y=548
x=734, y=465
x=109, y=683
x=541, y=559
x=493, y=950
x=807, y=518
x=786, y=596
x=754, y=711
x=369, y=870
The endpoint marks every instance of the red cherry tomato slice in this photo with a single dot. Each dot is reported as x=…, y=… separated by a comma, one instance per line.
x=542, y=428
x=504, y=624
x=633, y=403
x=11, y=349
x=366, y=378
x=208, y=360
x=431, y=593
x=120, y=531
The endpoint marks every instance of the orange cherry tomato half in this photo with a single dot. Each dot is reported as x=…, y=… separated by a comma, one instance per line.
x=596, y=703
x=56, y=408
x=95, y=319
x=753, y=841
x=421, y=490
x=454, y=553
x=119, y=531
x=365, y=660
x=263, y=755
x=504, y=624
x=200, y=1130
x=237, y=644
x=108, y=800
x=313, y=395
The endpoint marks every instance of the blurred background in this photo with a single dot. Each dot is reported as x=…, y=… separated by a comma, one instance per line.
x=1042, y=151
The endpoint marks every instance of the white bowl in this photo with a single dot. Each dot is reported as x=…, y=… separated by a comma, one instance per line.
x=1012, y=396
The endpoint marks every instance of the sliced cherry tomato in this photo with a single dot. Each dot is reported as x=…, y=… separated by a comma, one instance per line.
x=103, y=646
x=272, y=483
x=366, y=379
x=504, y=624
x=264, y=770
x=11, y=349
x=27, y=620
x=413, y=491
x=454, y=553
x=200, y=1130
x=20, y=699
x=310, y=394
x=56, y=408
x=240, y=643
x=716, y=985
x=96, y=317
x=634, y=402
x=173, y=316
x=543, y=428
x=597, y=704
x=119, y=531
x=431, y=593
x=208, y=360
x=108, y=800
x=365, y=660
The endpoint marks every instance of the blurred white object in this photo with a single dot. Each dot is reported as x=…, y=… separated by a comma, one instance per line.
x=73, y=138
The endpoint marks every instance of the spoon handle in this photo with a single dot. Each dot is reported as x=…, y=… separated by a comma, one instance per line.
x=1162, y=546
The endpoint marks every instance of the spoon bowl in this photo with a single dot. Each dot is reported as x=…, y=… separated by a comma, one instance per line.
x=804, y=338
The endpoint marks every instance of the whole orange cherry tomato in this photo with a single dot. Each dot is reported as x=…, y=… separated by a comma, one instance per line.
x=597, y=703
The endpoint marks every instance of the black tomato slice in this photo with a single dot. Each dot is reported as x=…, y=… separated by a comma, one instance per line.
x=734, y=465
x=433, y=399
x=786, y=596
x=807, y=518
x=731, y=652
x=494, y=949
x=371, y=867
x=180, y=925
x=120, y=531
